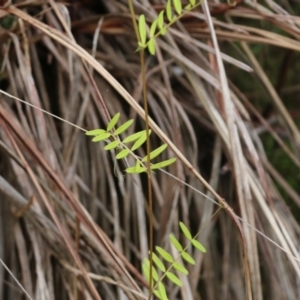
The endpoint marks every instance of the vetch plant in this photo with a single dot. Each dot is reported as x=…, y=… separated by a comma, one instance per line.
x=173, y=11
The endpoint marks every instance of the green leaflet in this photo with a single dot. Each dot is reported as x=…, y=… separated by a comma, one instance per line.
x=135, y=136
x=132, y=170
x=162, y=291
x=112, y=145
x=147, y=262
x=122, y=154
x=169, y=11
x=160, y=19
x=157, y=294
x=164, y=254
x=185, y=231
x=142, y=28
x=193, y=2
x=175, y=242
x=146, y=272
x=177, y=6
x=180, y=268
x=153, y=28
x=187, y=258
x=174, y=278
x=123, y=127
x=198, y=246
x=137, y=166
x=113, y=122
x=156, y=152
x=139, y=142
x=158, y=262
x=95, y=132
x=163, y=31
x=163, y=164
x=151, y=46
x=101, y=137
x=154, y=272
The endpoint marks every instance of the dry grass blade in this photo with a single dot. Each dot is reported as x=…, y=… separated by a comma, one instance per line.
x=12, y=275
x=222, y=94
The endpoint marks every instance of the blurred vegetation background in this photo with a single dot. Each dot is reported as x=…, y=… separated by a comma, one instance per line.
x=72, y=226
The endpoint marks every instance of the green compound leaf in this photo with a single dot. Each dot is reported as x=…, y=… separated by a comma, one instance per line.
x=187, y=258
x=169, y=11
x=180, y=268
x=123, y=127
x=177, y=6
x=153, y=28
x=102, y=137
x=113, y=122
x=160, y=19
x=151, y=46
x=158, y=262
x=139, y=142
x=95, y=132
x=135, y=136
x=164, y=254
x=174, y=278
x=162, y=291
x=111, y=145
x=185, y=231
x=142, y=28
x=163, y=164
x=198, y=246
x=122, y=154
x=132, y=170
x=156, y=152
x=175, y=242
